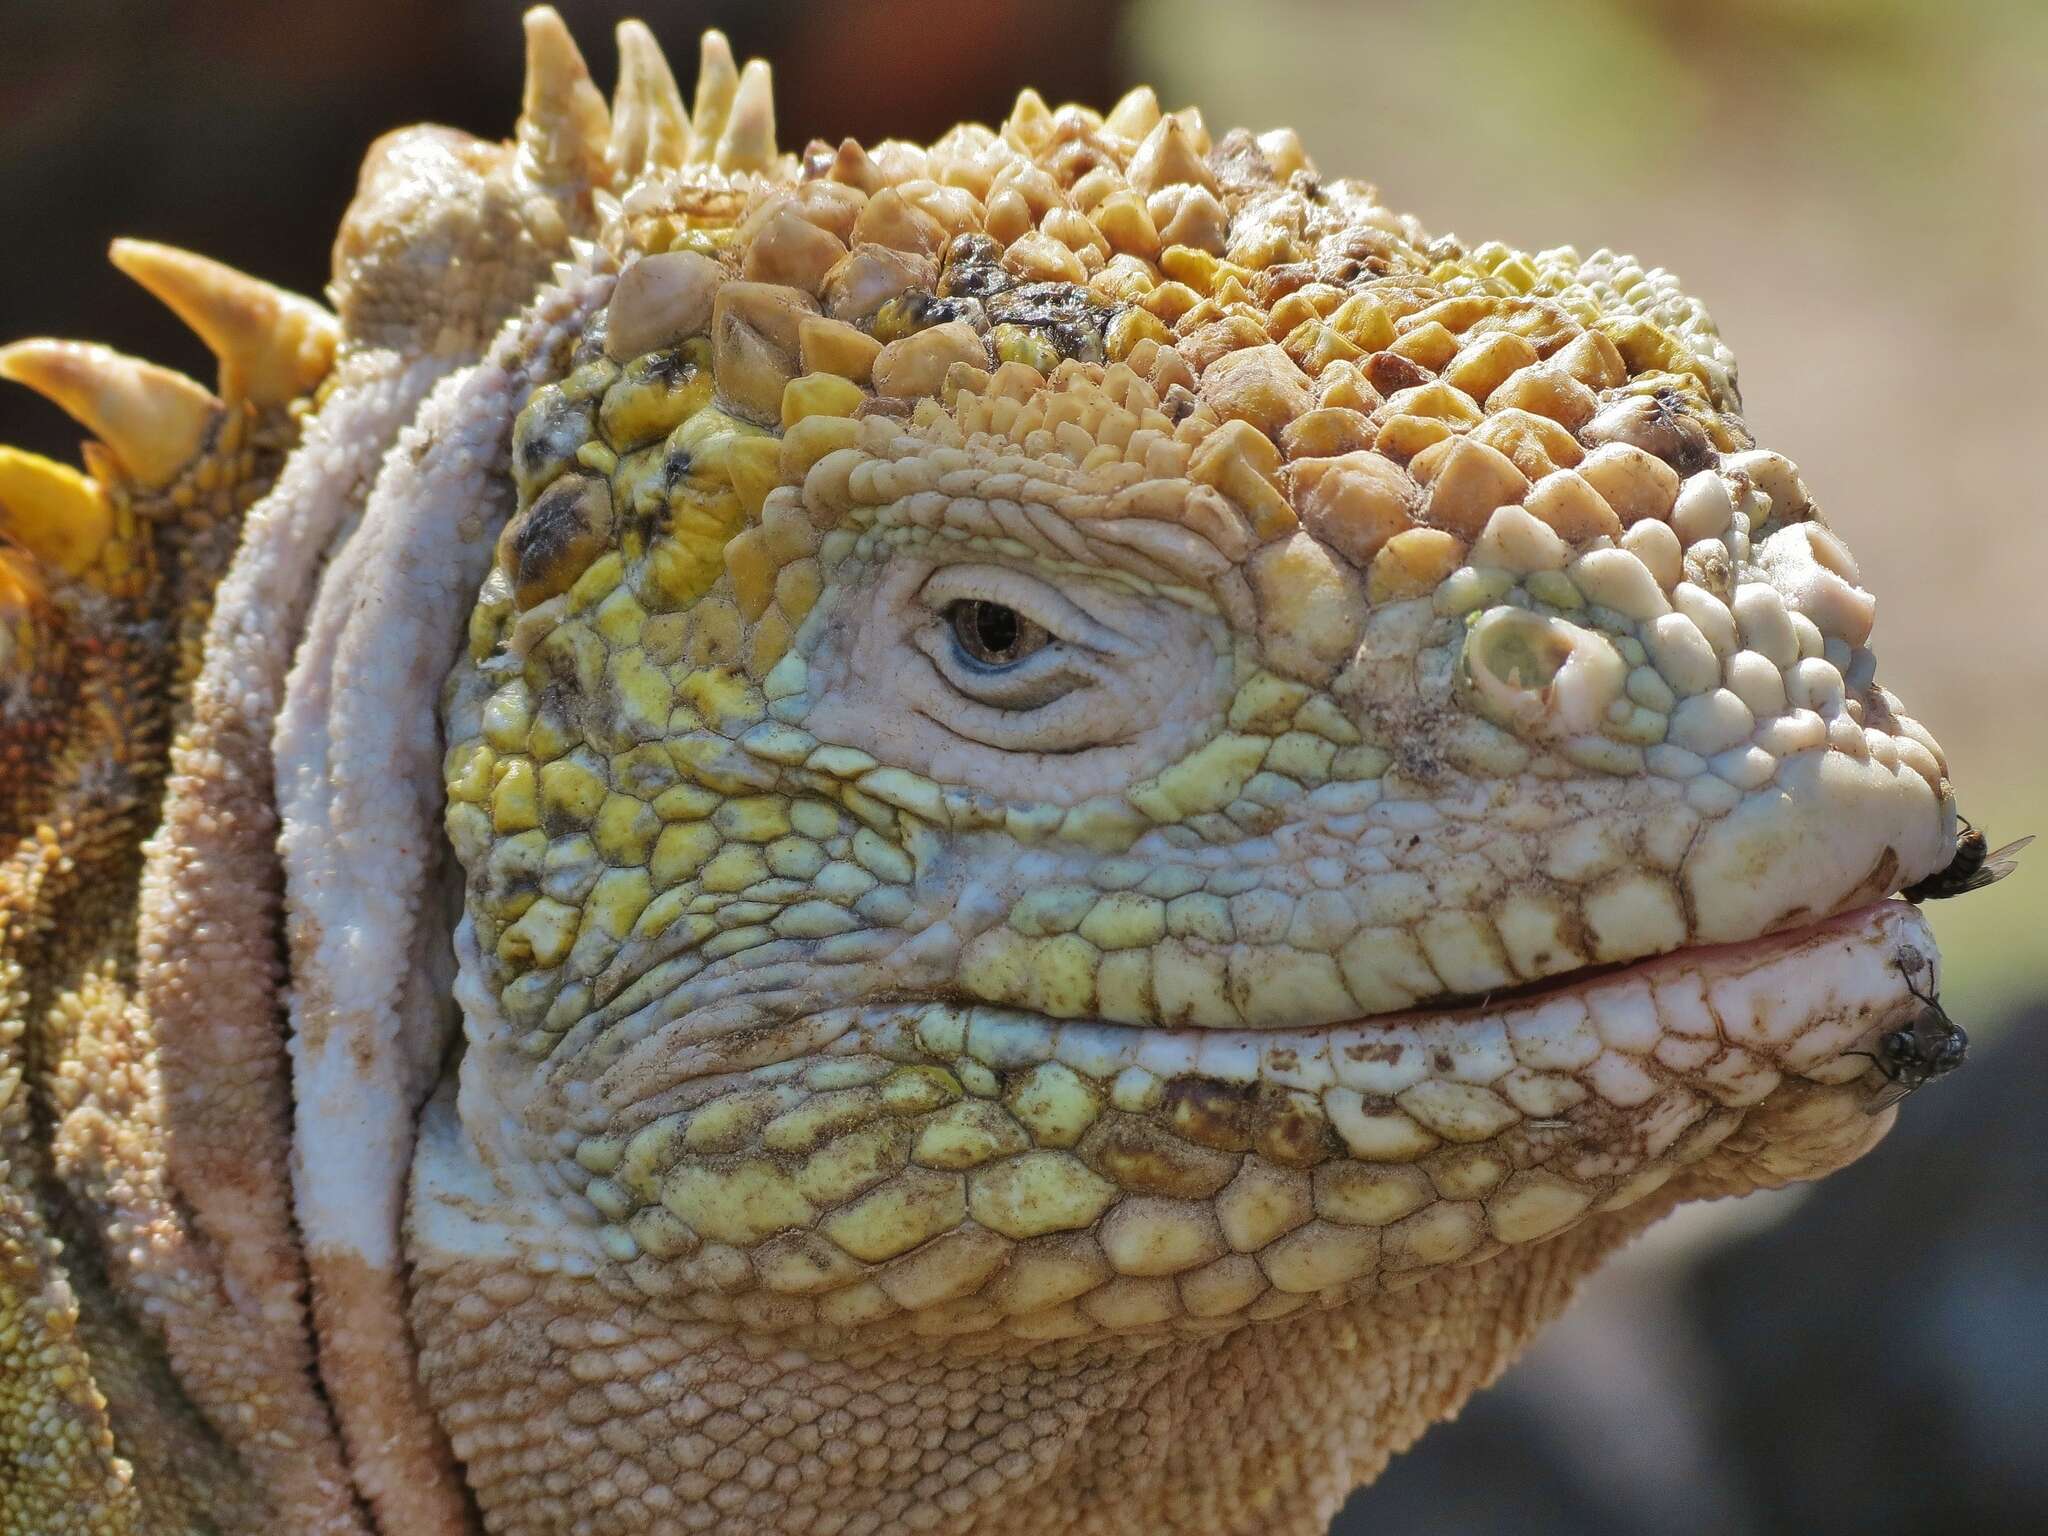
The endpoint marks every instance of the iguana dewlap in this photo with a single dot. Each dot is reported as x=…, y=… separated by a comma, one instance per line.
x=1032, y=835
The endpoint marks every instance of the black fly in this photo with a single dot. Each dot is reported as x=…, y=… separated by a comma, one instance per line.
x=1915, y=1054
x=1974, y=866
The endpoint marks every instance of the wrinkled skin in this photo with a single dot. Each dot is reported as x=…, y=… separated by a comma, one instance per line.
x=1040, y=835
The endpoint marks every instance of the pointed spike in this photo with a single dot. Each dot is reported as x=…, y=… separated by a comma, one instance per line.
x=51, y=510
x=853, y=165
x=564, y=125
x=718, y=80
x=273, y=345
x=1135, y=114
x=650, y=129
x=748, y=143
x=1029, y=122
x=153, y=420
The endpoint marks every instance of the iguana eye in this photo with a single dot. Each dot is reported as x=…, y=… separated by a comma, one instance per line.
x=975, y=671
x=1006, y=641
x=994, y=635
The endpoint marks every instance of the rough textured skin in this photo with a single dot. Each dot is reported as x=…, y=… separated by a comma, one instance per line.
x=1037, y=834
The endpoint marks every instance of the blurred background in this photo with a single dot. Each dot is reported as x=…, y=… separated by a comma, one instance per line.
x=1854, y=186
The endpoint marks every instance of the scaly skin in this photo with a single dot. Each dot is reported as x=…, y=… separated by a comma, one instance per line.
x=1040, y=834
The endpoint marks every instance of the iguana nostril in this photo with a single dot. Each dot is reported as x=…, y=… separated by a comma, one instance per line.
x=1521, y=650
x=1531, y=673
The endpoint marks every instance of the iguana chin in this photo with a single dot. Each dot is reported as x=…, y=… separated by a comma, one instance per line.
x=1037, y=834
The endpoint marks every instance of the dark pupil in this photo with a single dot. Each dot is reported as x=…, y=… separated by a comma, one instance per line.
x=988, y=632
x=995, y=627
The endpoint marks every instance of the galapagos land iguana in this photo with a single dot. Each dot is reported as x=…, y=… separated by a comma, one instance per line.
x=1032, y=835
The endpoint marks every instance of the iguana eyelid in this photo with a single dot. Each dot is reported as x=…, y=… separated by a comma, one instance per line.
x=1036, y=599
x=1057, y=672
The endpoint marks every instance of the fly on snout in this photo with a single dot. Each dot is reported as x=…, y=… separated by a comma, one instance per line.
x=1976, y=864
x=1931, y=1045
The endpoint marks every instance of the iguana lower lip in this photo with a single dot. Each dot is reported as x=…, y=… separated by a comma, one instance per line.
x=1732, y=1019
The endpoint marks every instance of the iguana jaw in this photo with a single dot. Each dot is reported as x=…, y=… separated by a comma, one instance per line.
x=861, y=1174
x=1403, y=1271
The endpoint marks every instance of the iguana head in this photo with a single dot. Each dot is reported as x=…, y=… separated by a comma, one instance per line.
x=1083, y=734
x=1085, y=767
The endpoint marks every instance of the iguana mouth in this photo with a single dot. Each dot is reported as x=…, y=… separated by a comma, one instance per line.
x=1744, y=1014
